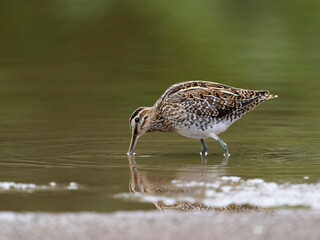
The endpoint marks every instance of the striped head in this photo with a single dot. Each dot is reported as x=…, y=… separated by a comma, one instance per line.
x=139, y=125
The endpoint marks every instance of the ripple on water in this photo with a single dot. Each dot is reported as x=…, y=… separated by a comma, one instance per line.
x=31, y=187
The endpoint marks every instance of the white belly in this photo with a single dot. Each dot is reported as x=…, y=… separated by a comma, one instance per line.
x=198, y=133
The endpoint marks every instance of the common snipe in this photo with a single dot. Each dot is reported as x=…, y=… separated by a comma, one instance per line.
x=196, y=109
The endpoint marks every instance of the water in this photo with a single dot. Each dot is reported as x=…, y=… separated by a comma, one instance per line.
x=71, y=75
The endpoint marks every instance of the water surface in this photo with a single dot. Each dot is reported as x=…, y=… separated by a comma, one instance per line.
x=71, y=75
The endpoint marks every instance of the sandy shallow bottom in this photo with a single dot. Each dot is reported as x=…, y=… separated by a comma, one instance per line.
x=284, y=224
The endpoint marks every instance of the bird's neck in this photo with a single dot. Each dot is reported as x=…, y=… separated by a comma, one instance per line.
x=156, y=122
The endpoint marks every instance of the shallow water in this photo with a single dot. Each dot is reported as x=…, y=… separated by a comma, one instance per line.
x=72, y=75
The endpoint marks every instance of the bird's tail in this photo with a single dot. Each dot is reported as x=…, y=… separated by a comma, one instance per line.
x=271, y=96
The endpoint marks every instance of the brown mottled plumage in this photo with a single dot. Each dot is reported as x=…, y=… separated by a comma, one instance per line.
x=196, y=109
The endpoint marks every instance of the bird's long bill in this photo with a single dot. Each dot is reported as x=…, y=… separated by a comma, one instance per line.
x=134, y=140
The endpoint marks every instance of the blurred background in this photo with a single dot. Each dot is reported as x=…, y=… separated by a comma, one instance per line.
x=72, y=72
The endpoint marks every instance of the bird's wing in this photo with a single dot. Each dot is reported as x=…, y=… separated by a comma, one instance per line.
x=218, y=100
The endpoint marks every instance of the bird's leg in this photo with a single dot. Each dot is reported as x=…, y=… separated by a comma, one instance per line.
x=224, y=147
x=203, y=148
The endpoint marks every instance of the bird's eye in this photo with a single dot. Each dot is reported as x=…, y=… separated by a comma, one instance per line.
x=137, y=120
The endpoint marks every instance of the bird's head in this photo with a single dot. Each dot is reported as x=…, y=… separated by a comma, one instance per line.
x=139, y=124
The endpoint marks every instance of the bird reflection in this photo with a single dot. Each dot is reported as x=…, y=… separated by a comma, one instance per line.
x=154, y=183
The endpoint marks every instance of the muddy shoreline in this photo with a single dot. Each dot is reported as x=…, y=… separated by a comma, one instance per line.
x=284, y=224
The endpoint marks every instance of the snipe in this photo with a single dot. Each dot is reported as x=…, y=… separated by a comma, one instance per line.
x=196, y=109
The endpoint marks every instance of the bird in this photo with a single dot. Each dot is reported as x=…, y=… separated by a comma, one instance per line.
x=196, y=109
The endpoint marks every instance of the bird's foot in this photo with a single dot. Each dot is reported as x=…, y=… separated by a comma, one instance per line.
x=225, y=159
x=203, y=157
x=203, y=154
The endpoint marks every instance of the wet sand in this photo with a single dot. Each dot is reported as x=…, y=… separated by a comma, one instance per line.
x=285, y=224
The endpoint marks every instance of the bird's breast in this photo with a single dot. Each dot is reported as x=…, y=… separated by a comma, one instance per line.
x=198, y=131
